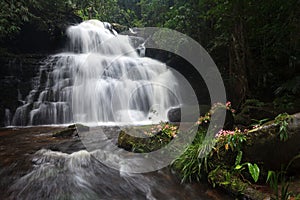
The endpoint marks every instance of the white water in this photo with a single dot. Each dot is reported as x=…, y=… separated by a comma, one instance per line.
x=99, y=79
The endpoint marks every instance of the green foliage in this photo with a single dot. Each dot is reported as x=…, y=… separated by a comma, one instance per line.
x=232, y=139
x=104, y=10
x=254, y=102
x=253, y=168
x=236, y=140
x=153, y=12
x=193, y=163
x=45, y=15
x=254, y=171
x=274, y=178
x=285, y=101
x=291, y=86
x=258, y=123
x=282, y=121
x=51, y=15
x=158, y=136
x=12, y=15
x=227, y=179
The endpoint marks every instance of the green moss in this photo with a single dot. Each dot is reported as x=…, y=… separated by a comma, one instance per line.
x=149, y=143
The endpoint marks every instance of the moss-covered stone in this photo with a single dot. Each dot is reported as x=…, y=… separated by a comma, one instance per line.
x=233, y=184
x=134, y=140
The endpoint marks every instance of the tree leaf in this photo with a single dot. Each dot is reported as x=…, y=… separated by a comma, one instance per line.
x=238, y=158
x=238, y=167
x=254, y=171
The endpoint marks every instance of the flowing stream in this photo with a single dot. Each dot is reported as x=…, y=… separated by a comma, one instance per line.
x=35, y=165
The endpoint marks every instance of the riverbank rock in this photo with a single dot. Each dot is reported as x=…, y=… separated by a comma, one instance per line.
x=79, y=127
x=134, y=139
x=71, y=131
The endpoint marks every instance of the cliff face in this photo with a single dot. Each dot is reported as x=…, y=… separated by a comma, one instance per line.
x=17, y=73
x=20, y=58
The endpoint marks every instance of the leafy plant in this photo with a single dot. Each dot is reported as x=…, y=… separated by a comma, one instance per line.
x=291, y=86
x=258, y=123
x=273, y=179
x=285, y=101
x=232, y=139
x=192, y=165
x=282, y=121
x=253, y=168
x=254, y=102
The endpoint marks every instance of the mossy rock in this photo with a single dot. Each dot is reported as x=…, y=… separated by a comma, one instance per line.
x=233, y=184
x=141, y=144
x=119, y=28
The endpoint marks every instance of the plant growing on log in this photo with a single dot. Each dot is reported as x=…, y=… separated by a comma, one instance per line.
x=282, y=121
x=258, y=123
x=232, y=139
x=165, y=130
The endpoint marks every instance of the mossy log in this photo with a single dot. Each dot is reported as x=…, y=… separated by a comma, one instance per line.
x=264, y=145
x=234, y=185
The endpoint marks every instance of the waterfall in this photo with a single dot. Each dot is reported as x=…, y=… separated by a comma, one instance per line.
x=100, y=78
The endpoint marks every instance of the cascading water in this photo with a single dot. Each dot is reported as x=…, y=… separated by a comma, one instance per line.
x=100, y=78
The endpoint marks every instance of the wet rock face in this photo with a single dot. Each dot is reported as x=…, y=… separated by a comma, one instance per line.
x=16, y=79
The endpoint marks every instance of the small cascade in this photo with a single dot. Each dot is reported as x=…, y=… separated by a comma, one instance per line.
x=7, y=117
x=100, y=78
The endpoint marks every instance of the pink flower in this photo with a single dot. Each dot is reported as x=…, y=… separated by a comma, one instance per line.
x=228, y=104
x=224, y=133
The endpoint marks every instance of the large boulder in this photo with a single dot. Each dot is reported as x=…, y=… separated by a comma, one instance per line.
x=174, y=114
x=189, y=112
